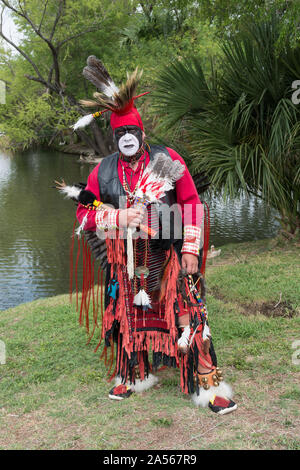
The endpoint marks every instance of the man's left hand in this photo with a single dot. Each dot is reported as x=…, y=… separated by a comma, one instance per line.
x=189, y=263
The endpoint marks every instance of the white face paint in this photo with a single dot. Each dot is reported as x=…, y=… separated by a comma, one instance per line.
x=128, y=144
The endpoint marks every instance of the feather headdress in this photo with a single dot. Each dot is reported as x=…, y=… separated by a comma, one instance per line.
x=118, y=100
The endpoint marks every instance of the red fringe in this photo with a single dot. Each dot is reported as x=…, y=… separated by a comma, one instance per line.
x=84, y=280
x=104, y=354
x=113, y=374
x=76, y=271
x=71, y=261
x=133, y=341
x=89, y=291
x=98, y=287
x=206, y=237
x=141, y=365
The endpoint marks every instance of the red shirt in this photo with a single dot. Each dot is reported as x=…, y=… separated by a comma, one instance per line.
x=187, y=196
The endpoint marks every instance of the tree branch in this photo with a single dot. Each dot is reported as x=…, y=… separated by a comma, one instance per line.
x=41, y=79
x=88, y=30
x=62, y=5
x=43, y=82
x=43, y=15
x=22, y=12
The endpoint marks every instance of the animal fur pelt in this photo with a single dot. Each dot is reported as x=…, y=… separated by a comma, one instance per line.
x=140, y=385
x=181, y=286
x=76, y=192
x=223, y=390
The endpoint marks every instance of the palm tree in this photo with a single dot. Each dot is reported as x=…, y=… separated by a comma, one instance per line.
x=240, y=125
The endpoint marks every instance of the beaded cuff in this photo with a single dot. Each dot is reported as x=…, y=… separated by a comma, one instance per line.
x=191, y=240
x=107, y=219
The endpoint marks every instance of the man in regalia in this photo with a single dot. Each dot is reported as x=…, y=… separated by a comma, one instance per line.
x=155, y=258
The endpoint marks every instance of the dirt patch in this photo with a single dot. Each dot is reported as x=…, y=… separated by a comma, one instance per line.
x=217, y=294
x=268, y=309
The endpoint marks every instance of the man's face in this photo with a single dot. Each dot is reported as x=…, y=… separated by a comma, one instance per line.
x=129, y=139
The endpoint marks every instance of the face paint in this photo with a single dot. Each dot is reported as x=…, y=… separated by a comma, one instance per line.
x=129, y=140
x=128, y=145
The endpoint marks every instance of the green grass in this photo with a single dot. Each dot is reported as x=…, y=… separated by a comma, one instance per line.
x=53, y=387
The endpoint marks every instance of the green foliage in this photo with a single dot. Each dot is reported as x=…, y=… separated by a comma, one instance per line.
x=240, y=124
x=33, y=122
x=230, y=16
x=123, y=34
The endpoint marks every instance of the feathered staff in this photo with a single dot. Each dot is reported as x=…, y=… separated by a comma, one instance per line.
x=158, y=178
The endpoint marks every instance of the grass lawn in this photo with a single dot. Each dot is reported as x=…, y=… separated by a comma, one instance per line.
x=53, y=387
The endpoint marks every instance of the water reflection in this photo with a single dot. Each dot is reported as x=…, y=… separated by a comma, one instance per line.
x=241, y=219
x=36, y=224
x=5, y=169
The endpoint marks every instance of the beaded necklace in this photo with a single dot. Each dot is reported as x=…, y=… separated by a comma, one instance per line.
x=131, y=194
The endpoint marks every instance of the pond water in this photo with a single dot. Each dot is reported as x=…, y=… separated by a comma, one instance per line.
x=37, y=222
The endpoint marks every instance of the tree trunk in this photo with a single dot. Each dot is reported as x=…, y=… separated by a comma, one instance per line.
x=99, y=140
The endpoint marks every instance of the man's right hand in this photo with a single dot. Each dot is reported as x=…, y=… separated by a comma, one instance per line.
x=130, y=217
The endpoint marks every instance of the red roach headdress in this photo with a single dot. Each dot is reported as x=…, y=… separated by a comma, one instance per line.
x=120, y=101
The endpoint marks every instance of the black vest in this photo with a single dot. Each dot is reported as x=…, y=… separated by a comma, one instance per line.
x=111, y=190
x=110, y=185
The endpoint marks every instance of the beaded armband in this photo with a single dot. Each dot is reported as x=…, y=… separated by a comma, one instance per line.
x=94, y=206
x=191, y=240
x=107, y=219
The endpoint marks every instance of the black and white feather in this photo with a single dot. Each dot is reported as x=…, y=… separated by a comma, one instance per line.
x=98, y=75
x=159, y=177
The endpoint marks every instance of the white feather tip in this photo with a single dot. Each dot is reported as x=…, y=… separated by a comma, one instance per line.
x=71, y=192
x=83, y=122
x=142, y=299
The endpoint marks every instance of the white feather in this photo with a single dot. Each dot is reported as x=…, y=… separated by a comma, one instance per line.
x=71, y=191
x=82, y=225
x=206, y=332
x=110, y=90
x=184, y=338
x=83, y=121
x=142, y=298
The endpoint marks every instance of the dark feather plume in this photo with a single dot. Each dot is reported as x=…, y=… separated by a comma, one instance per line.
x=97, y=65
x=89, y=74
x=110, y=97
